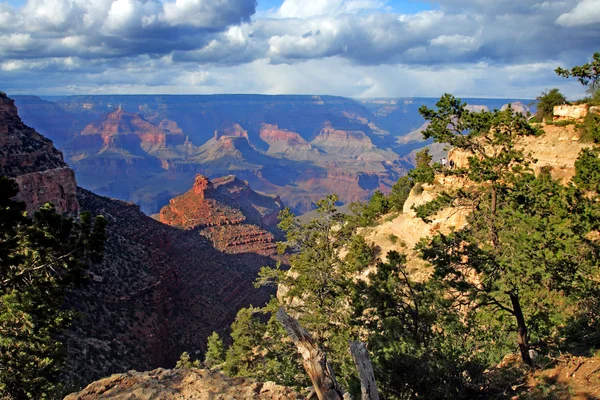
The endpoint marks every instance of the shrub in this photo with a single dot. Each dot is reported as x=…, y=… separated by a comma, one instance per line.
x=418, y=188
x=590, y=129
x=400, y=192
x=423, y=172
x=564, y=122
x=546, y=102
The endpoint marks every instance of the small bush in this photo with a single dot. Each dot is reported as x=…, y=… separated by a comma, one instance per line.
x=393, y=238
x=418, y=188
x=546, y=102
x=391, y=217
x=564, y=122
x=590, y=129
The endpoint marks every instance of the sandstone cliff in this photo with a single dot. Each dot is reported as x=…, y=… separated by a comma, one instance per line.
x=557, y=149
x=34, y=163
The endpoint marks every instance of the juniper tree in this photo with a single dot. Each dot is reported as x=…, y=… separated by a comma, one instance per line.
x=587, y=74
x=524, y=243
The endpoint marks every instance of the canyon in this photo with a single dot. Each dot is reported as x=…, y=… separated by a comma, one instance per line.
x=148, y=149
x=160, y=289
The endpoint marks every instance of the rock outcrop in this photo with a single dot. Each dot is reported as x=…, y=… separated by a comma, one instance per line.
x=35, y=164
x=234, y=130
x=285, y=143
x=121, y=123
x=228, y=212
x=570, y=112
x=181, y=384
x=556, y=149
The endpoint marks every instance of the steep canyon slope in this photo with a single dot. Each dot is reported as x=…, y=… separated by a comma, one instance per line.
x=160, y=290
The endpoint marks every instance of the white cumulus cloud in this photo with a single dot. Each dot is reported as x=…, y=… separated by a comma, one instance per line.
x=586, y=12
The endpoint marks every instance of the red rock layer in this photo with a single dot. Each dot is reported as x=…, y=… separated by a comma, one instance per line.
x=34, y=162
x=232, y=130
x=123, y=123
x=227, y=212
x=273, y=136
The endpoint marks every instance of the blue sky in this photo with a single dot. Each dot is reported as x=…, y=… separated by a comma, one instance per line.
x=403, y=6
x=357, y=48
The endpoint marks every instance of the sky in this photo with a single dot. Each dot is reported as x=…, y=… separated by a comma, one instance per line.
x=355, y=48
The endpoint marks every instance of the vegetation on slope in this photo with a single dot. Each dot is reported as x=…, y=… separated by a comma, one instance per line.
x=40, y=258
x=522, y=275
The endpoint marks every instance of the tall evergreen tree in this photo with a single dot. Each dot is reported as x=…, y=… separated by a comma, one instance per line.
x=524, y=244
x=40, y=258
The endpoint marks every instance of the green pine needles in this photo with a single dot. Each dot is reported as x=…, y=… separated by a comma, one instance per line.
x=40, y=258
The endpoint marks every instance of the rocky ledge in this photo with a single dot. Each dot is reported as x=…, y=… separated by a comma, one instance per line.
x=181, y=384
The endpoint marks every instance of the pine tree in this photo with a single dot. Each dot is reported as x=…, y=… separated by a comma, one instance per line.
x=40, y=258
x=524, y=244
x=215, y=351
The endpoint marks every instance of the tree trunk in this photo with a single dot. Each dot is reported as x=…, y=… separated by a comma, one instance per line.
x=314, y=359
x=368, y=387
x=521, y=329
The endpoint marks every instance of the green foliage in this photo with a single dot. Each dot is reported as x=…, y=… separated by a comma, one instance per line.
x=360, y=255
x=185, y=362
x=590, y=129
x=400, y=192
x=564, y=123
x=412, y=358
x=365, y=214
x=247, y=332
x=424, y=211
x=378, y=203
x=393, y=238
x=261, y=350
x=40, y=259
x=215, y=351
x=423, y=172
x=587, y=74
x=546, y=102
x=587, y=169
x=525, y=243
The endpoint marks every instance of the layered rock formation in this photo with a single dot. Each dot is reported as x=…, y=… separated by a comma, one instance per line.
x=38, y=168
x=228, y=212
x=158, y=292
x=286, y=144
x=121, y=127
x=181, y=384
x=147, y=148
x=349, y=143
